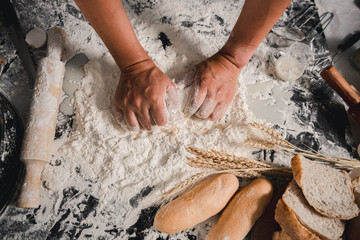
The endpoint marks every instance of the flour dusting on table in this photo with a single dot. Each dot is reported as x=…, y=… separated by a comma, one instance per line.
x=121, y=164
x=122, y=175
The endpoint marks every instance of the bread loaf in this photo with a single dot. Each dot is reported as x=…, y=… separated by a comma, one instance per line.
x=197, y=205
x=242, y=211
x=323, y=226
x=291, y=225
x=326, y=189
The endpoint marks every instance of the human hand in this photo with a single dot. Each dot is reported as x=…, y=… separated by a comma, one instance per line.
x=214, y=87
x=143, y=95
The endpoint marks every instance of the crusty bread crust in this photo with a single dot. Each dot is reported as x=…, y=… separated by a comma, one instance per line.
x=242, y=211
x=276, y=235
x=200, y=203
x=291, y=225
x=280, y=235
x=303, y=223
x=298, y=176
x=297, y=169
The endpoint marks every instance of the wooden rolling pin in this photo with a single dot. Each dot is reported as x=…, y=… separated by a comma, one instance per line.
x=346, y=92
x=40, y=130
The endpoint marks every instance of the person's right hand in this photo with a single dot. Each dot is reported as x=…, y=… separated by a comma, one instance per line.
x=143, y=95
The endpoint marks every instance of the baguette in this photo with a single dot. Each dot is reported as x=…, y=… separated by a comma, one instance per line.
x=242, y=211
x=197, y=205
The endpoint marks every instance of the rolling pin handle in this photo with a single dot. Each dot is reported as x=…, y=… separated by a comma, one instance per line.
x=30, y=189
x=341, y=86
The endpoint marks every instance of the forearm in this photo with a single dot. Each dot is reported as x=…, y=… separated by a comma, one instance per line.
x=254, y=23
x=110, y=21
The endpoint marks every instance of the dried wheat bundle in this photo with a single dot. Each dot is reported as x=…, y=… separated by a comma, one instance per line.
x=222, y=163
x=275, y=141
x=185, y=185
x=224, y=158
x=196, y=179
x=241, y=166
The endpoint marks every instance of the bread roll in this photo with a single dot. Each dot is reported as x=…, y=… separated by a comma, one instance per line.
x=242, y=212
x=197, y=205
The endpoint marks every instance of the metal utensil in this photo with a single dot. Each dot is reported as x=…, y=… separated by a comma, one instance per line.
x=295, y=32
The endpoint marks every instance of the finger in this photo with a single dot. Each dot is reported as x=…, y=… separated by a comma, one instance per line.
x=196, y=98
x=219, y=111
x=144, y=118
x=206, y=108
x=131, y=120
x=172, y=99
x=158, y=113
x=119, y=115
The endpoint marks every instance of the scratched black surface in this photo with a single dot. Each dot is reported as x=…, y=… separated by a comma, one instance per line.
x=78, y=204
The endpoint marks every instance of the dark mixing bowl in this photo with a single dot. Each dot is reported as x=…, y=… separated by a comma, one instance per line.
x=11, y=132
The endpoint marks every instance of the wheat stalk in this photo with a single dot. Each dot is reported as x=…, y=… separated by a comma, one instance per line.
x=276, y=142
x=222, y=161
x=252, y=171
x=194, y=180
x=224, y=158
x=259, y=143
x=243, y=167
x=274, y=136
x=184, y=185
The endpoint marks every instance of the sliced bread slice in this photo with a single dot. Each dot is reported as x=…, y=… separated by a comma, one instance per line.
x=326, y=189
x=322, y=226
x=291, y=225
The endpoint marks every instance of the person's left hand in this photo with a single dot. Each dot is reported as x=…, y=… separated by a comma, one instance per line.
x=214, y=87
